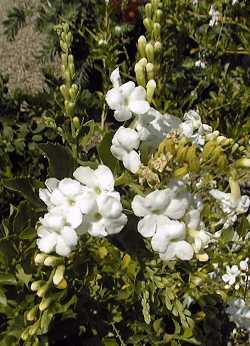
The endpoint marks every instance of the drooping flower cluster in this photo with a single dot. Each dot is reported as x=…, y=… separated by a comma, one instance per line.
x=172, y=221
x=87, y=203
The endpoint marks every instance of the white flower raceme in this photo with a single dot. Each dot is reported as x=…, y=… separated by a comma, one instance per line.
x=231, y=274
x=215, y=15
x=231, y=206
x=193, y=128
x=160, y=211
x=126, y=99
x=239, y=313
x=124, y=145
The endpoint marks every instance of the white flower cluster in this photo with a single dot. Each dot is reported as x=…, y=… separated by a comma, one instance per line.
x=171, y=218
x=231, y=206
x=149, y=125
x=87, y=203
x=239, y=313
x=215, y=16
x=236, y=273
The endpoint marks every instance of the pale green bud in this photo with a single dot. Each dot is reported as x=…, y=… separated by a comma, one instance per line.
x=143, y=62
x=39, y=258
x=76, y=122
x=148, y=10
x=148, y=24
x=235, y=189
x=149, y=52
x=69, y=38
x=67, y=76
x=71, y=59
x=244, y=162
x=157, y=31
x=140, y=74
x=25, y=334
x=151, y=86
x=155, y=4
x=157, y=48
x=65, y=27
x=63, y=45
x=141, y=45
x=36, y=285
x=69, y=107
x=31, y=315
x=42, y=290
x=158, y=15
x=45, y=303
x=64, y=59
x=52, y=261
x=59, y=273
x=72, y=70
x=34, y=328
x=150, y=71
x=73, y=91
x=64, y=91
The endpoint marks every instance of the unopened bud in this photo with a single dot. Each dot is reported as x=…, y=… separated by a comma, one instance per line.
x=243, y=163
x=148, y=24
x=235, y=147
x=157, y=48
x=181, y=172
x=158, y=15
x=62, y=285
x=71, y=59
x=34, y=328
x=42, y=290
x=140, y=74
x=52, y=261
x=64, y=91
x=150, y=71
x=58, y=276
x=65, y=27
x=149, y=49
x=69, y=107
x=148, y=10
x=151, y=86
x=67, y=76
x=40, y=257
x=202, y=257
x=76, y=122
x=31, y=315
x=235, y=190
x=45, y=303
x=157, y=31
x=143, y=62
x=25, y=334
x=63, y=45
x=72, y=70
x=73, y=91
x=64, y=59
x=36, y=285
x=69, y=38
x=141, y=46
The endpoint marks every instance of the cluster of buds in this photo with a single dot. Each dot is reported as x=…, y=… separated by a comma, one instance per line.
x=147, y=68
x=69, y=89
x=44, y=291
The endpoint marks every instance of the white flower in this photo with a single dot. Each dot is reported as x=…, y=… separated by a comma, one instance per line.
x=234, y=2
x=231, y=206
x=239, y=313
x=244, y=265
x=124, y=144
x=200, y=63
x=231, y=275
x=126, y=99
x=193, y=128
x=215, y=16
x=55, y=235
x=153, y=126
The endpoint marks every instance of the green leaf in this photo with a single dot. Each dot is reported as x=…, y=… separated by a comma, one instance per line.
x=24, y=186
x=22, y=276
x=105, y=154
x=61, y=162
x=7, y=279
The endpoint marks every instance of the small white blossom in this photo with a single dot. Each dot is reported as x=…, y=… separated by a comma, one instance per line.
x=244, y=265
x=215, y=15
x=239, y=313
x=193, y=128
x=231, y=207
x=231, y=274
x=126, y=99
x=124, y=145
x=200, y=63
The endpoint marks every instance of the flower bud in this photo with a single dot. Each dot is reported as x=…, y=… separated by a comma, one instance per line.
x=63, y=45
x=244, y=162
x=34, y=328
x=148, y=10
x=72, y=70
x=158, y=15
x=143, y=62
x=64, y=91
x=235, y=190
x=234, y=148
x=52, y=261
x=36, y=285
x=149, y=49
x=150, y=71
x=65, y=27
x=151, y=86
x=69, y=38
x=69, y=107
x=62, y=285
x=141, y=46
x=203, y=257
x=181, y=172
x=148, y=24
x=76, y=123
x=45, y=303
x=58, y=276
x=31, y=315
x=157, y=48
x=157, y=31
x=71, y=59
x=64, y=59
x=42, y=290
x=67, y=76
x=140, y=74
x=40, y=257
x=25, y=334
x=73, y=91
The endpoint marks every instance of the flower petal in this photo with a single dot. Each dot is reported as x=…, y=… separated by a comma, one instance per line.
x=62, y=249
x=51, y=184
x=115, y=78
x=114, y=98
x=139, y=107
x=139, y=93
x=138, y=206
x=127, y=88
x=69, y=236
x=69, y=187
x=132, y=161
x=46, y=244
x=127, y=138
x=147, y=226
x=104, y=177
x=85, y=175
x=74, y=217
x=122, y=114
